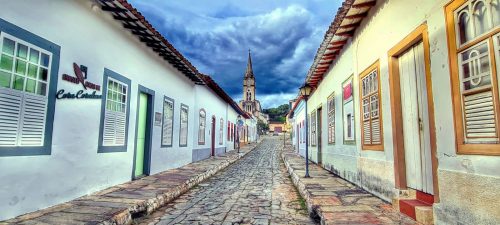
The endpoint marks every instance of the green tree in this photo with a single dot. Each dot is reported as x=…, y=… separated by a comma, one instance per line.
x=262, y=127
x=277, y=114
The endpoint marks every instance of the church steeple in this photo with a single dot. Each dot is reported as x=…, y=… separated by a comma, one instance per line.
x=249, y=71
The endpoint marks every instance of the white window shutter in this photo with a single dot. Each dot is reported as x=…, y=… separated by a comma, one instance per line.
x=108, y=134
x=479, y=115
x=34, y=112
x=10, y=115
x=121, y=121
x=114, y=128
x=366, y=133
x=376, y=131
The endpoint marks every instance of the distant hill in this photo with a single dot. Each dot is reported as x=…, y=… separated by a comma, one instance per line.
x=277, y=114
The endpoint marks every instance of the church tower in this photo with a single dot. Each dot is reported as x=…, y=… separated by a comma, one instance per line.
x=249, y=82
x=249, y=103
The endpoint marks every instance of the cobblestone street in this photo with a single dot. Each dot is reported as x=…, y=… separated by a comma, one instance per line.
x=254, y=190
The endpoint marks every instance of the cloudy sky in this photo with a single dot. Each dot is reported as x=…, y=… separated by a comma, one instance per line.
x=215, y=36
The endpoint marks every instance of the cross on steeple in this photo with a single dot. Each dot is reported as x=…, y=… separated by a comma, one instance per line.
x=249, y=71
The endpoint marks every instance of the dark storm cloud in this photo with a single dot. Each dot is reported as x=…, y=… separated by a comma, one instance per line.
x=216, y=40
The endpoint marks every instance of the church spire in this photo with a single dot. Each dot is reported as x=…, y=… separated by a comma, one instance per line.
x=249, y=71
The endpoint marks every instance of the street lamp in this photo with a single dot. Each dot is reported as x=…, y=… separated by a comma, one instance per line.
x=239, y=125
x=305, y=91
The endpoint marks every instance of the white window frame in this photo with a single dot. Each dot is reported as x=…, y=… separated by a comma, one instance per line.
x=165, y=129
x=183, y=128
x=114, y=147
x=202, y=126
x=330, y=102
x=221, y=132
x=44, y=144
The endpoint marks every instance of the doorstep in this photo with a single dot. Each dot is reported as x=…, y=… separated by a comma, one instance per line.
x=333, y=200
x=415, y=204
x=122, y=203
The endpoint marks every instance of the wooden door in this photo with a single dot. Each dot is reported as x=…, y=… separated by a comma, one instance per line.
x=416, y=132
x=318, y=134
x=143, y=138
x=213, y=136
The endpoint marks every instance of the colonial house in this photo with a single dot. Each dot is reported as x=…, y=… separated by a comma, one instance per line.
x=91, y=96
x=276, y=127
x=405, y=104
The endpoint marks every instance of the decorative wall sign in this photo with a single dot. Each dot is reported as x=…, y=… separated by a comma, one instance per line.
x=81, y=94
x=79, y=78
x=158, y=117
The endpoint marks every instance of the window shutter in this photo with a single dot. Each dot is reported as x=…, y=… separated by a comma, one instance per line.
x=10, y=115
x=109, y=129
x=479, y=115
x=366, y=133
x=114, y=128
x=33, y=123
x=22, y=118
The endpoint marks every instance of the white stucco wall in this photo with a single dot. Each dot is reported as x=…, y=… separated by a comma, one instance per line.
x=92, y=38
x=214, y=106
x=382, y=29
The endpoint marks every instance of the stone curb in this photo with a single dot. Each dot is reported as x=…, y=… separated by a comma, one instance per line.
x=131, y=208
x=301, y=187
x=328, y=197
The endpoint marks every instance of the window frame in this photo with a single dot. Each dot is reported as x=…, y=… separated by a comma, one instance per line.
x=313, y=130
x=454, y=49
x=371, y=147
x=25, y=36
x=202, y=142
x=221, y=131
x=183, y=106
x=331, y=112
x=116, y=76
x=344, y=102
x=228, y=136
x=167, y=99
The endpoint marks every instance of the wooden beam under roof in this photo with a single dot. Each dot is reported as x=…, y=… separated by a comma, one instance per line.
x=343, y=42
x=132, y=27
x=335, y=47
x=113, y=9
x=352, y=25
x=364, y=5
x=329, y=54
x=346, y=33
x=128, y=19
x=141, y=33
x=356, y=16
x=328, y=57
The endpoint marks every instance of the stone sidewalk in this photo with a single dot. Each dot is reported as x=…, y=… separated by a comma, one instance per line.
x=332, y=200
x=122, y=203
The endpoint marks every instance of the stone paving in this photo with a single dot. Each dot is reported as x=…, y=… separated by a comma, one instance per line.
x=120, y=204
x=255, y=190
x=333, y=200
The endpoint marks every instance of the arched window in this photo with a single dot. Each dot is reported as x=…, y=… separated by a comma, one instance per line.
x=249, y=96
x=201, y=129
x=481, y=18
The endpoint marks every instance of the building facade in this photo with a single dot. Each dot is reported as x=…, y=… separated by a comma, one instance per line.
x=249, y=103
x=92, y=96
x=412, y=119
